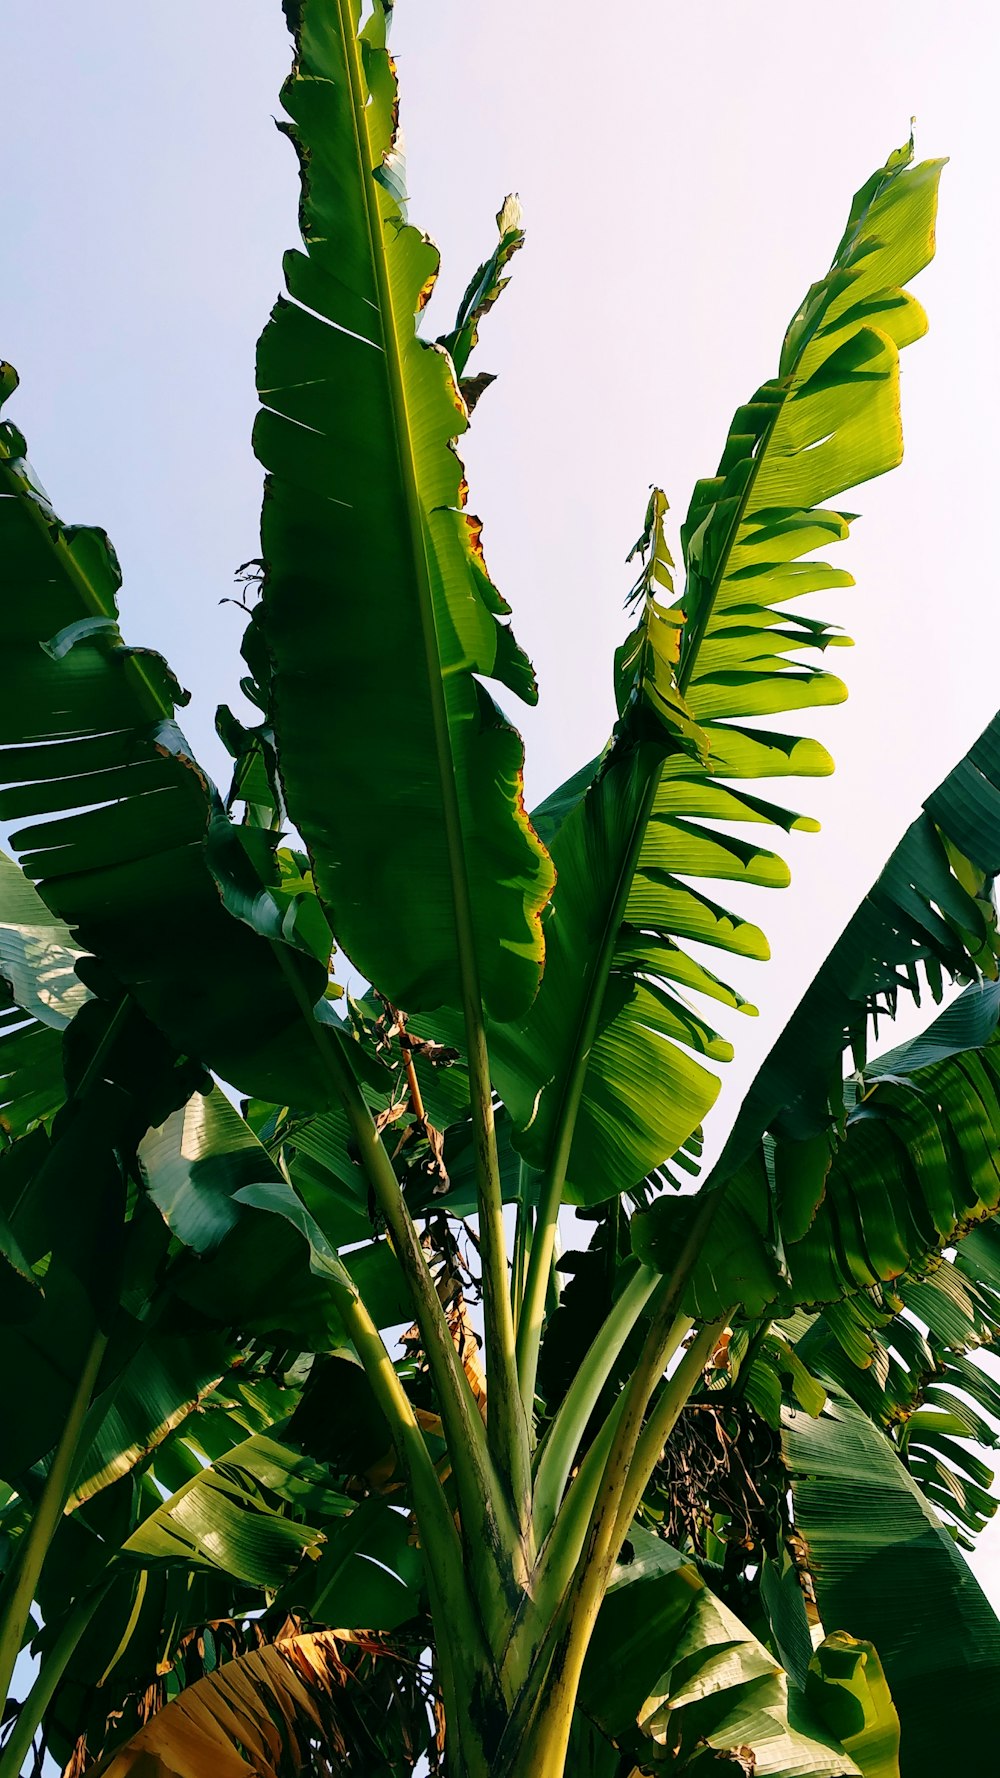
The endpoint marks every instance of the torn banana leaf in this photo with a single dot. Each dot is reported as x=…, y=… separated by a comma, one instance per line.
x=818, y=1196
x=918, y=1164
x=270, y=1703
x=904, y=1356
x=123, y=834
x=399, y=770
x=599, y=1076
x=929, y=913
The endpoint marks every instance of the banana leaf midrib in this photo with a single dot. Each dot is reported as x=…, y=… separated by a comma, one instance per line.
x=414, y=521
x=703, y=617
x=599, y=975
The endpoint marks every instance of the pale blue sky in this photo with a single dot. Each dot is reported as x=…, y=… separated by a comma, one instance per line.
x=685, y=172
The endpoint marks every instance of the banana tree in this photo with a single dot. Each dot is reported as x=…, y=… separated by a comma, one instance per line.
x=537, y=1506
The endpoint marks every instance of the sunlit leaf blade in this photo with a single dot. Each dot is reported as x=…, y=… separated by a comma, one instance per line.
x=828, y=422
x=846, y=1686
x=885, y=1570
x=37, y=953
x=398, y=768
x=231, y=1515
x=267, y=1251
x=128, y=843
x=39, y=993
x=163, y=1382
x=641, y=1094
x=673, y=1676
x=633, y=842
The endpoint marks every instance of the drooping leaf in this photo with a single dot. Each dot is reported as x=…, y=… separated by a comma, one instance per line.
x=163, y=1382
x=267, y=1250
x=374, y=573
x=819, y=1195
x=31, y=1074
x=96, y=1249
x=230, y=1516
x=40, y=991
x=261, y=1714
x=128, y=842
x=930, y=909
x=886, y=1571
x=672, y=1676
x=918, y=1164
x=907, y=1356
x=602, y=1054
x=369, y=1574
x=846, y=1687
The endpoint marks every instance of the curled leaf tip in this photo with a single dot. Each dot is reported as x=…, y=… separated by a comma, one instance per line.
x=510, y=216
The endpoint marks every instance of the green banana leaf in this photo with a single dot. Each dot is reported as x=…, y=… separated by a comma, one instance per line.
x=232, y=1516
x=128, y=842
x=929, y=912
x=923, y=1388
x=374, y=573
x=817, y=1195
x=39, y=993
x=884, y=1569
x=599, y=1071
x=84, y=1553
x=171, y=1272
x=673, y=1678
x=369, y=1574
x=918, y=1164
x=94, y=1248
x=903, y=1352
x=37, y=955
x=265, y=1251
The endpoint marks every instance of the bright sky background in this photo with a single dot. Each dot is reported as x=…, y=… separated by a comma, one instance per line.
x=686, y=172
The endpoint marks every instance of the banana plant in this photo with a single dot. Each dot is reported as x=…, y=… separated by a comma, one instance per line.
x=256, y=1385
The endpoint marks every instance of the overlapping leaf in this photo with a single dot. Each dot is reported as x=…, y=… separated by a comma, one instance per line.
x=804, y=1217
x=230, y=1515
x=39, y=993
x=904, y=1357
x=672, y=1676
x=123, y=820
x=918, y=1164
x=929, y=913
x=597, y=1058
x=381, y=619
x=266, y=1252
x=884, y=1569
